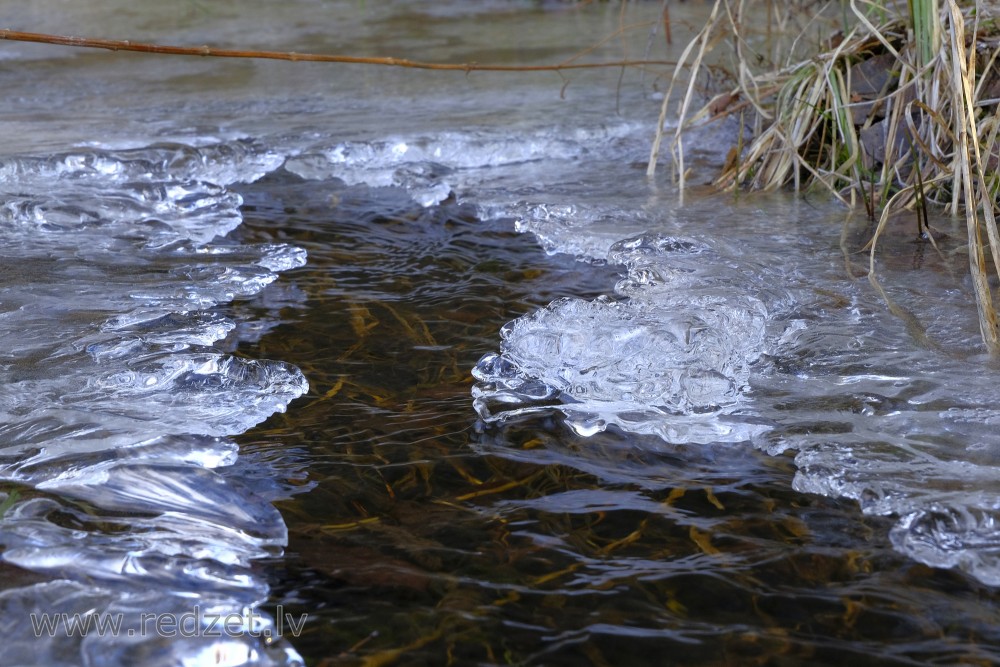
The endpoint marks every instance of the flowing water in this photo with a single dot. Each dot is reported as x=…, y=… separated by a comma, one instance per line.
x=332, y=364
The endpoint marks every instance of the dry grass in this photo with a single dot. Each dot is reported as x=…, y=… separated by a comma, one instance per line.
x=882, y=115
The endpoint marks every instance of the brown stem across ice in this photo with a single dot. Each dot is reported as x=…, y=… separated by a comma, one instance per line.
x=208, y=51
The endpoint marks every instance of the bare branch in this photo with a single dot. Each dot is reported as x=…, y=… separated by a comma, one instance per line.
x=208, y=51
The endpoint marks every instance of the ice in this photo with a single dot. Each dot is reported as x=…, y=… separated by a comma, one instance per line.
x=156, y=194
x=116, y=404
x=961, y=534
x=585, y=232
x=434, y=167
x=671, y=356
x=222, y=164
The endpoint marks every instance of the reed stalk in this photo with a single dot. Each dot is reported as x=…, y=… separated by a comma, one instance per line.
x=925, y=17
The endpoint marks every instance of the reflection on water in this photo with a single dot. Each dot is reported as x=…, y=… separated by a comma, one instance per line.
x=547, y=413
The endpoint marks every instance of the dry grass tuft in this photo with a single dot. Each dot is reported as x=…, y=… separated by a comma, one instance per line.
x=898, y=110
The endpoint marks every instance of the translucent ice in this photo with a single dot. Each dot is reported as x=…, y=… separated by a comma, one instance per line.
x=115, y=405
x=676, y=365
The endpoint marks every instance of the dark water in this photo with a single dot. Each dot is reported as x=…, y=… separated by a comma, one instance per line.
x=423, y=537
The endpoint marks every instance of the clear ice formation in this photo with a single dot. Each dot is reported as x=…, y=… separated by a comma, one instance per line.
x=433, y=167
x=116, y=470
x=905, y=432
x=671, y=355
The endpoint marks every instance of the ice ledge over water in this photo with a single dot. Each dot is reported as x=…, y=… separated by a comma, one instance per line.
x=116, y=475
x=433, y=168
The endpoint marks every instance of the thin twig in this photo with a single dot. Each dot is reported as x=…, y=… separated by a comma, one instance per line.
x=208, y=51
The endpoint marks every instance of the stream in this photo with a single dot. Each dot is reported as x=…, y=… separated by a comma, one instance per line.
x=315, y=364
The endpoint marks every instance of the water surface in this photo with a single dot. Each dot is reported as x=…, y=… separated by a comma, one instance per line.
x=426, y=358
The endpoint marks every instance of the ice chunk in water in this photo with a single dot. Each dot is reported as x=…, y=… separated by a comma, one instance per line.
x=676, y=366
x=964, y=534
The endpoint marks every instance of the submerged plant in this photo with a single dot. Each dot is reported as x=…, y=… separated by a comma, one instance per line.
x=897, y=111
